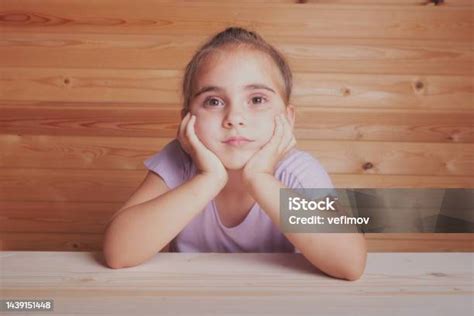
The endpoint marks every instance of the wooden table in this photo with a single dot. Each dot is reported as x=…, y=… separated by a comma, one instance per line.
x=237, y=284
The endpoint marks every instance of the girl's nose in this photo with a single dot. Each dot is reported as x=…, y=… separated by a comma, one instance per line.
x=233, y=123
x=234, y=119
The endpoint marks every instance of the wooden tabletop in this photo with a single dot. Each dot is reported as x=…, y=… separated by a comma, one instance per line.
x=237, y=284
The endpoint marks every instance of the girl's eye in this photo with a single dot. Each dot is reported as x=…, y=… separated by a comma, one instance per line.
x=262, y=99
x=211, y=101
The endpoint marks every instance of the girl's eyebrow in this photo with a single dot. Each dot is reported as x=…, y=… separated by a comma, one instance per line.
x=252, y=86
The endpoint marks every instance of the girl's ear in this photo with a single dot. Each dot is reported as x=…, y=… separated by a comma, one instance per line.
x=290, y=113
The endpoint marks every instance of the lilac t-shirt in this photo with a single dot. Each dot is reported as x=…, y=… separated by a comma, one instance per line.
x=256, y=233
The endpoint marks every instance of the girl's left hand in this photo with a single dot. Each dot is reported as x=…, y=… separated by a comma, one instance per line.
x=265, y=160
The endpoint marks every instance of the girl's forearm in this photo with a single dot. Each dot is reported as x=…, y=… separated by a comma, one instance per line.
x=140, y=231
x=342, y=255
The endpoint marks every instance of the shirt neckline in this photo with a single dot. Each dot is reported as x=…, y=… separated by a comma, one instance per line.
x=216, y=214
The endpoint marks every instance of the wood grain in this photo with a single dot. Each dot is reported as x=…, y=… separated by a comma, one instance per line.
x=161, y=120
x=318, y=20
x=82, y=240
x=337, y=157
x=118, y=86
x=236, y=284
x=383, y=91
x=311, y=55
x=88, y=185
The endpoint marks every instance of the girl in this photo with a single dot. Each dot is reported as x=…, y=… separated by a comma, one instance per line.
x=215, y=188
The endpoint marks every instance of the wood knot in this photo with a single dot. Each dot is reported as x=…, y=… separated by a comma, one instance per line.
x=301, y=1
x=346, y=91
x=419, y=85
x=367, y=165
x=453, y=137
x=67, y=81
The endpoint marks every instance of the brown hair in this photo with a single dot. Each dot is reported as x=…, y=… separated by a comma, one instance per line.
x=236, y=37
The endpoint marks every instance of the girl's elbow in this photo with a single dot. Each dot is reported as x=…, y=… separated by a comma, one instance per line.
x=111, y=253
x=354, y=275
x=356, y=270
x=113, y=265
x=114, y=262
x=110, y=260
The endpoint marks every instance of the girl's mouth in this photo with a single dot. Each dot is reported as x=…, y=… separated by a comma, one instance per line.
x=237, y=142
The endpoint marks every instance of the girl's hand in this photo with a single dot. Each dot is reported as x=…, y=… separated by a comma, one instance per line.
x=265, y=160
x=206, y=161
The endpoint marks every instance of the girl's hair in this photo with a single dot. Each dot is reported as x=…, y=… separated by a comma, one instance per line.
x=236, y=37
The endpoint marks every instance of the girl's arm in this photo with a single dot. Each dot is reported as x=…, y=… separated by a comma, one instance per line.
x=153, y=216
x=341, y=255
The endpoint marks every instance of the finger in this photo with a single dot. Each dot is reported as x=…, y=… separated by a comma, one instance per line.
x=189, y=131
x=286, y=134
x=272, y=143
x=181, y=133
x=191, y=134
x=290, y=141
x=291, y=132
x=183, y=124
x=291, y=145
x=278, y=133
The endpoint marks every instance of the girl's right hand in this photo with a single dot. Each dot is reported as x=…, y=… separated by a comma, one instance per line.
x=206, y=161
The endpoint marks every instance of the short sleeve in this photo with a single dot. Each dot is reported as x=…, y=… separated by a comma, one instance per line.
x=314, y=175
x=302, y=170
x=171, y=163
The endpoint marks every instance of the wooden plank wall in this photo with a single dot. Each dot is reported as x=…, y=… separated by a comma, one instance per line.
x=90, y=89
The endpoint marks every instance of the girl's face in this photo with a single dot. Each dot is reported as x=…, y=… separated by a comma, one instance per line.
x=237, y=94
